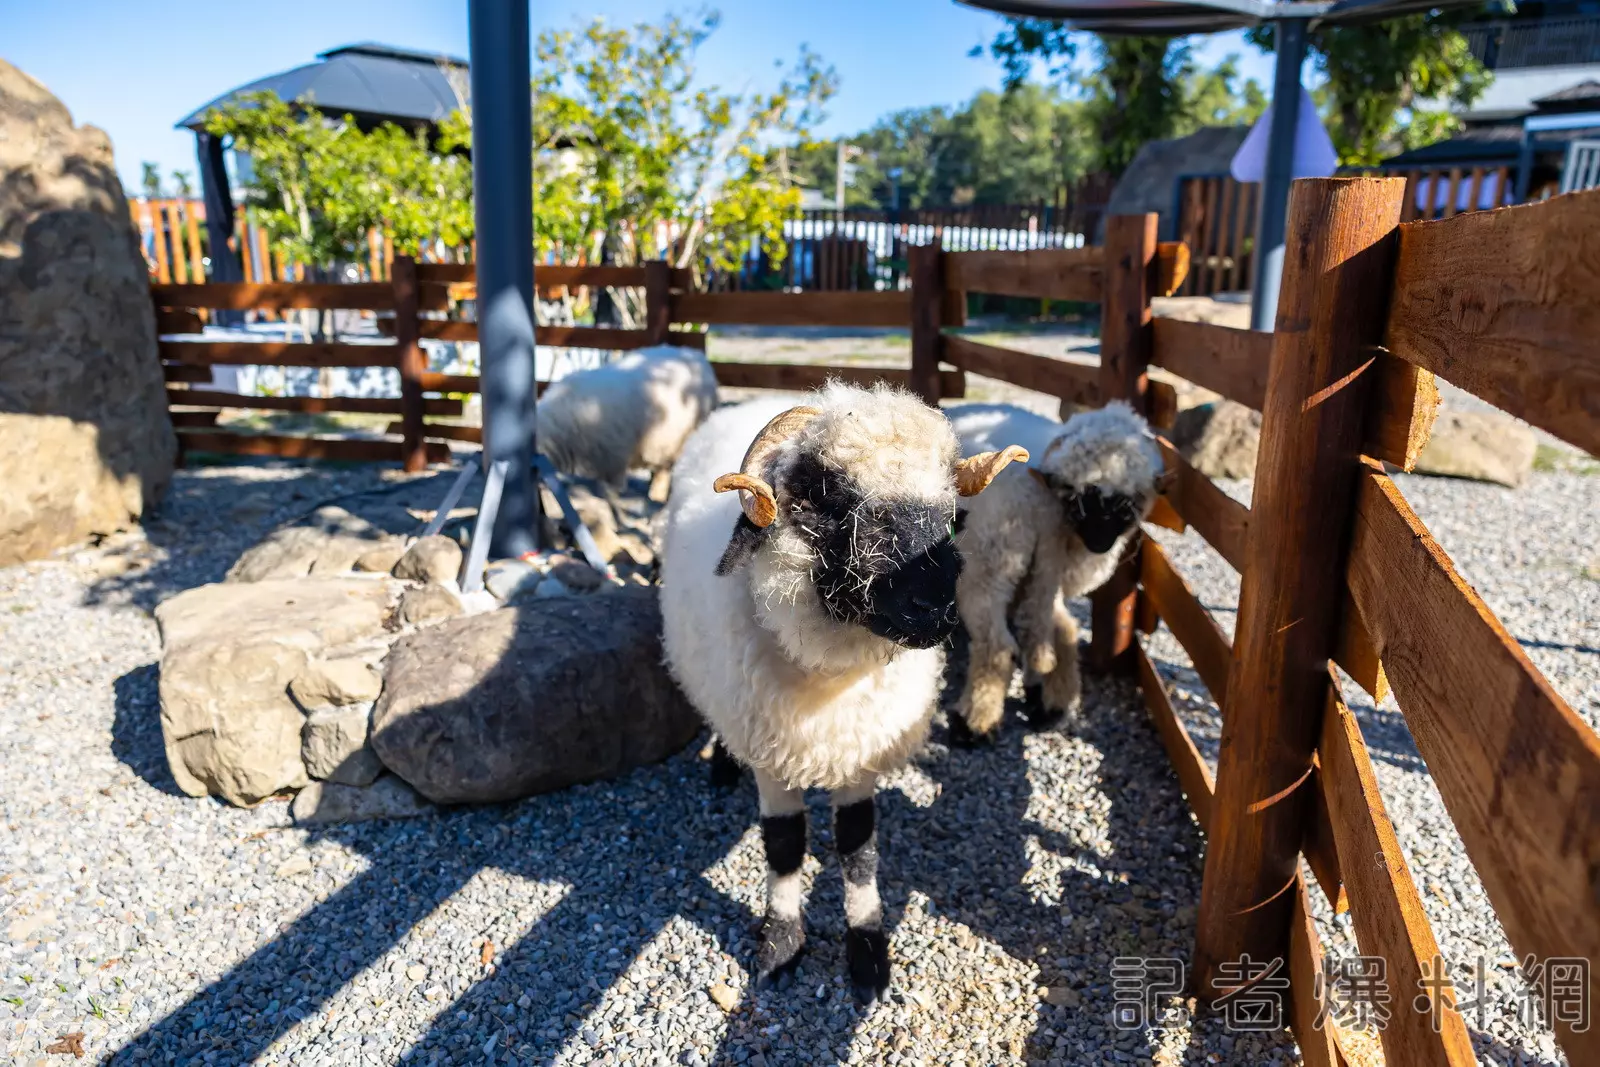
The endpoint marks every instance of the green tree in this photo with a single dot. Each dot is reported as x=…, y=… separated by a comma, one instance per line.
x=629, y=150
x=150, y=178
x=1212, y=98
x=1380, y=75
x=320, y=185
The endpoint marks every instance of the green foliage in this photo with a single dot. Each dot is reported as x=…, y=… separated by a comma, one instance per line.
x=1379, y=73
x=319, y=185
x=1140, y=88
x=628, y=149
x=150, y=178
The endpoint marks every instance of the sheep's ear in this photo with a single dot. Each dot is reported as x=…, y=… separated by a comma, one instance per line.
x=747, y=538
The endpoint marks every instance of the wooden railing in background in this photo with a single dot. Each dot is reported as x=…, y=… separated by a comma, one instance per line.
x=1216, y=218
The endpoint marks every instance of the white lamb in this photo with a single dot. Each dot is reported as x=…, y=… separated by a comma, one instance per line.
x=634, y=412
x=1045, y=532
x=804, y=619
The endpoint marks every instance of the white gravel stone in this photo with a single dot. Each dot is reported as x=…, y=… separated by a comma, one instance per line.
x=159, y=925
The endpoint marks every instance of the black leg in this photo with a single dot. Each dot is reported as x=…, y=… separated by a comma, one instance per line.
x=783, y=931
x=725, y=770
x=961, y=734
x=1034, y=711
x=866, y=945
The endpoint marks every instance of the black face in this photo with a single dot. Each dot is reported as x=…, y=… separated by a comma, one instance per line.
x=1098, y=518
x=889, y=567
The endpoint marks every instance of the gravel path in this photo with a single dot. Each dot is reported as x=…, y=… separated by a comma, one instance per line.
x=604, y=924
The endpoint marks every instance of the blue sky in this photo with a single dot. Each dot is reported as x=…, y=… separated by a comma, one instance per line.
x=134, y=69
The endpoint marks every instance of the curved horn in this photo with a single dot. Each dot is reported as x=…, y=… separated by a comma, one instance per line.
x=974, y=473
x=756, y=497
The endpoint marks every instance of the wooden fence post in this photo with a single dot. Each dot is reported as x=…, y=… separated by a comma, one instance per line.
x=657, y=300
x=925, y=265
x=1331, y=310
x=1124, y=375
x=412, y=363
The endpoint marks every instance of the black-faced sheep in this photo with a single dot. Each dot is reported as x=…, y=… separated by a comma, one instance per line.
x=1043, y=533
x=803, y=616
x=634, y=412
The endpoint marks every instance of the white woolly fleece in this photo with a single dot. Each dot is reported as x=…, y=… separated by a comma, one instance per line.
x=1111, y=447
x=634, y=412
x=814, y=702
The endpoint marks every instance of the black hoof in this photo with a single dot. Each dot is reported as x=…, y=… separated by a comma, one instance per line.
x=961, y=734
x=725, y=770
x=781, y=943
x=867, y=953
x=1034, y=712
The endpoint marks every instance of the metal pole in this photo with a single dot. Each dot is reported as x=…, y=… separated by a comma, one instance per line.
x=502, y=179
x=1291, y=40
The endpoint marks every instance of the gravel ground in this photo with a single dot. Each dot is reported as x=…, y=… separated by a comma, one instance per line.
x=611, y=923
x=592, y=926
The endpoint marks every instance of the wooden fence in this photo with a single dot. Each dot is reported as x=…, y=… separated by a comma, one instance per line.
x=1216, y=216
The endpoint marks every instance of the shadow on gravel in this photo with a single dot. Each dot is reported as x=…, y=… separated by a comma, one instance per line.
x=633, y=854
x=136, y=728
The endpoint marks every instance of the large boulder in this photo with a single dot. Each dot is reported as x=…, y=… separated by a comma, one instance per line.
x=86, y=445
x=530, y=698
x=230, y=655
x=328, y=541
x=1484, y=446
x=1220, y=440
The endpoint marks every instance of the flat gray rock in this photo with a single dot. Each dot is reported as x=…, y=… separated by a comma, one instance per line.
x=530, y=699
x=330, y=802
x=229, y=654
x=328, y=541
x=432, y=559
x=333, y=745
x=1483, y=446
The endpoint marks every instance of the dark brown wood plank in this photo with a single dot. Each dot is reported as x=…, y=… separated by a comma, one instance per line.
x=413, y=363
x=1321, y=853
x=1194, y=777
x=178, y=320
x=1504, y=304
x=1518, y=770
x=1075, y=383
x=1317, y=1047
x=445, y=432
x=1188, y=620
x=349, y=449
x=1130, y=249
x=185, y=372
x=794, y=309
x=1357, y=653
x=1045, y=273
x=1219, y=358
x=193, y=419
x=1340, y=237
x=312, y=405
x=278, y=354
x=274, y=296
x=926, y=267
x=451, y=383
x=1220, y=519
x=1384, y=905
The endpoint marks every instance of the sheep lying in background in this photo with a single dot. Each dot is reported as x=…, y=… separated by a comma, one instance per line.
x=1045, y=532
x=804, y=619
x=634, y=412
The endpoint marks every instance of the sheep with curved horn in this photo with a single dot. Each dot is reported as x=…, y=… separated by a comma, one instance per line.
x=805, y=597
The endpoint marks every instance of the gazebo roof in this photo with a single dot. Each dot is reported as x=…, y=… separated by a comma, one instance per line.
x=373, y=82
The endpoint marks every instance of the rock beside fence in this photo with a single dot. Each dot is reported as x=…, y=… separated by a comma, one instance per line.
x=531, y=698
x=1220, y=440
x=230, y=654
x=1484, y=446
